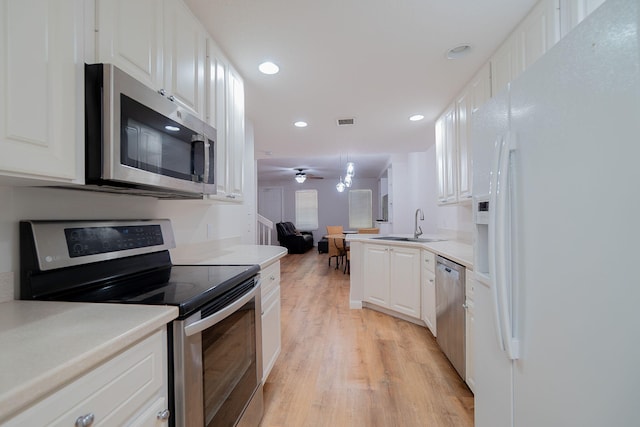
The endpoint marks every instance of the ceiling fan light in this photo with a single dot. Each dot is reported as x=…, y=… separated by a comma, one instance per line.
x=301, y=177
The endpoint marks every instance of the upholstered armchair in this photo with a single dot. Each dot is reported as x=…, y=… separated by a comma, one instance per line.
x=295, y=241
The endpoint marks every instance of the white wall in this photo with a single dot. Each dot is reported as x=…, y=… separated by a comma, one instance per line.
x=415, y=186
x=333, y=207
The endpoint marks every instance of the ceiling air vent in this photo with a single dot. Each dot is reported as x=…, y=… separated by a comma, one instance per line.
x=346, y=122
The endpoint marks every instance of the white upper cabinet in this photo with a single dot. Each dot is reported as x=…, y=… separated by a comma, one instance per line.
x=463, y=124
x=225, y=112
x=41, y=87
x=130, y=35
x=159, y=43
x=235, y=146
x=535, y=35
x=184, y=56
x=445, y=157
x=539, y=31
x=216, y=78
x=574, y=11
x=505, y=64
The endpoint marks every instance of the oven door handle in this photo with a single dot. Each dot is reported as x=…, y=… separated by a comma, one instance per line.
x=207, y=322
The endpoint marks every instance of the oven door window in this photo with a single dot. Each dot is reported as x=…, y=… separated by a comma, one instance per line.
x=154, y=143
x=229, y=365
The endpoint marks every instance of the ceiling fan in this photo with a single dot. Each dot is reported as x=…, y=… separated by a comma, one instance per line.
x=301, y=176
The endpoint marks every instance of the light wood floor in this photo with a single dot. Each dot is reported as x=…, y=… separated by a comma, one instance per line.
x=341, y=367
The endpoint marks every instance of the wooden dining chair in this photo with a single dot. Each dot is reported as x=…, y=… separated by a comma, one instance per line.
x=334, y=229
x=334, y=251
x=344, y=251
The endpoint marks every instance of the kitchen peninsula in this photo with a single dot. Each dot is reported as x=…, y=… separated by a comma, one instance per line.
x=398, y=277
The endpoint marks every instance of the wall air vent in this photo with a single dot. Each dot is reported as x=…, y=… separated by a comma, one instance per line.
x=346, y=122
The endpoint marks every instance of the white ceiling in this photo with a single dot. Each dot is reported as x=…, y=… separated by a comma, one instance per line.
x=378, y=61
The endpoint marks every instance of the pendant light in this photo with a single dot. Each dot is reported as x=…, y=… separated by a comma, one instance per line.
x=340, y=186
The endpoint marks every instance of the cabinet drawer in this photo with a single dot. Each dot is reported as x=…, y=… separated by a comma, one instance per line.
x=114, y=392
x=429, y=260
x=270, y=277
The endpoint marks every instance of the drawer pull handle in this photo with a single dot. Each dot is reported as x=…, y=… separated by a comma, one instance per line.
x=85, y=420
x=164, y=415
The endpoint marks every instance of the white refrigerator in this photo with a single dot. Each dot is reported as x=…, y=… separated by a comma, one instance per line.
x=557, y=234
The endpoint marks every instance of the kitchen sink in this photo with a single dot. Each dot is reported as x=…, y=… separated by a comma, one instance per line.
x=408, y=239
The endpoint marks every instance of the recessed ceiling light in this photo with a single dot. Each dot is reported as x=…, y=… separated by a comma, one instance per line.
x=416, y=117
x=268, y=67
x=458, y=51
x=172, y=128
x=301, y=124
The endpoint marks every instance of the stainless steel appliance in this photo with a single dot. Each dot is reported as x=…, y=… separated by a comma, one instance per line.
x=450, y=312
x=215, y=347
x=138, y=140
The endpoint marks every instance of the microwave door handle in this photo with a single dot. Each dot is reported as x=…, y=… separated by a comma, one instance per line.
x=207, y=160
x=197, y=139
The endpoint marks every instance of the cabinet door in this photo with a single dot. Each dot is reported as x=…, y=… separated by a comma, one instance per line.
x=445, y=157
x=480, y=88
x=115, y=392
x=235, y=135
x=429, y=299
x=271, y=335
x=539, y=31
x=129, y=35
x=506, y=64
x=463, y=127
x=574, y=11
x=376, y=274
x=216, y=111
x=184, y=56
x=470, y=345
x=41, y=82
x=404, y=282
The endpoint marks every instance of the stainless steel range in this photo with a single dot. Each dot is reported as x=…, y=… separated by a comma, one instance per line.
x=215, y=344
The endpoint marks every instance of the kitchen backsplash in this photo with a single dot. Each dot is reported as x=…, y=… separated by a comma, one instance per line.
x=192, y=221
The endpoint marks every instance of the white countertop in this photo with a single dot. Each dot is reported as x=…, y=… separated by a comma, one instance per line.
x=459, y=252
x=47, y=344
x=233, y=255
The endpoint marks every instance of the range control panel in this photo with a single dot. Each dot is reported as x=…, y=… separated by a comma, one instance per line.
x=59, y=244
x=97, y=240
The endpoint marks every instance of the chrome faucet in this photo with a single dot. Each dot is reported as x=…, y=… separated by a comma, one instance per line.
x=417, y=231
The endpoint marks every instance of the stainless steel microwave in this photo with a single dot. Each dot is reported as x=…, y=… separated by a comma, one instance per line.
x=140, y=141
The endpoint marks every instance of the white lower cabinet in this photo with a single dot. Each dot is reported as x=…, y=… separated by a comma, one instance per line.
x=469, y=329
x=129, y=389
x=271, y=334
x=429, y=291
x=392, y=278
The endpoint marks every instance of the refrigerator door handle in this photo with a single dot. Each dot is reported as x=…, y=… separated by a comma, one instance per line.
x=493, y=183
x=501, y=251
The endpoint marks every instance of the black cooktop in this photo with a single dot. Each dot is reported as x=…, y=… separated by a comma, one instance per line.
x=189, y=287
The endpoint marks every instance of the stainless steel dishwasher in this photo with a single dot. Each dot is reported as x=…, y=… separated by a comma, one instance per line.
x=450, y=312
